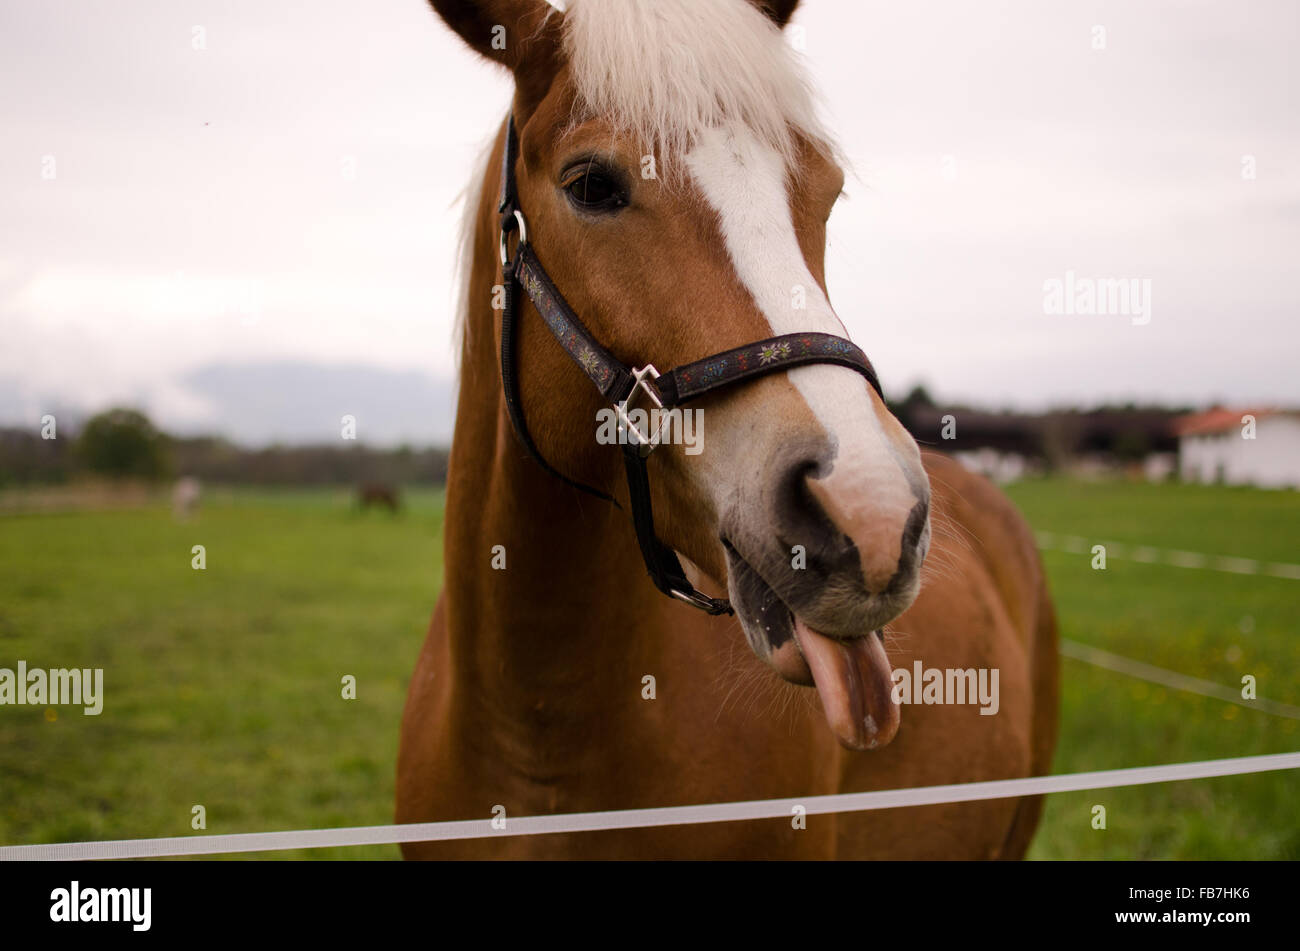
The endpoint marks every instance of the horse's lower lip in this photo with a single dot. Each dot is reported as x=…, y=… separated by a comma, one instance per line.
x=788, y=661
x=852, y=675
x=791, y=664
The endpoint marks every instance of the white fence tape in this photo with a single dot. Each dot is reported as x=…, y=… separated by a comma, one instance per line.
x=1171, y=678
x=1078, y=545
x=646, y=818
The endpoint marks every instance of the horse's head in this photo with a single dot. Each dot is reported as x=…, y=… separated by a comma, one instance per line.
x=677, y=189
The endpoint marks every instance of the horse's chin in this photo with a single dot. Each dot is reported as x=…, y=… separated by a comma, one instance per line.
x=851, y=673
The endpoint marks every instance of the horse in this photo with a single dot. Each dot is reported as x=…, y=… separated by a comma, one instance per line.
x=664, y=180
x=378, y=494
x=186, y=494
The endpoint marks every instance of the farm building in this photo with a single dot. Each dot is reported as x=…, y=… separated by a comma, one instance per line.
x=1240, y=447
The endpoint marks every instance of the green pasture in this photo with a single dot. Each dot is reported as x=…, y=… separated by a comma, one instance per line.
x=224, y=685
x=1214, y=625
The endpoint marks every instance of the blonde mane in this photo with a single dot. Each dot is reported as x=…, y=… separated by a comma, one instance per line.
x=666, y=70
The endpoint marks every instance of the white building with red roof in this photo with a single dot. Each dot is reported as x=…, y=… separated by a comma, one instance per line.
x=1240, y=447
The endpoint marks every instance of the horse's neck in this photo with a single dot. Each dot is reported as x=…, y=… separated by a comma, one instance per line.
x=544, y=585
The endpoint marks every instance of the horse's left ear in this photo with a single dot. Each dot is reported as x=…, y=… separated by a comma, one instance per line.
x=522, y=35
x=779, y=11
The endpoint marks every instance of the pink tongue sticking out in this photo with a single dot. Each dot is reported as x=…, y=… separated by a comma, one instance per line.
x=856, y=687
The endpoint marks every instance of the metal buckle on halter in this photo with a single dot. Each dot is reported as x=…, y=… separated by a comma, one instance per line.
x=645, y=444
x=695, y=600
x=522, y=227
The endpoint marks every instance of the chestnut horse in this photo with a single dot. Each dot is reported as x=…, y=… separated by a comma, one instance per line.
x=677, y=187
x=379, y=494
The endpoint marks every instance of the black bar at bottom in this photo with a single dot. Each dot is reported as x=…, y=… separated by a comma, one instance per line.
x=867, y=902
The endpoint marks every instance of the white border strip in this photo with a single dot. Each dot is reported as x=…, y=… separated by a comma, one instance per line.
x=646, y=818
x=1171, y=678
x=1078, y=545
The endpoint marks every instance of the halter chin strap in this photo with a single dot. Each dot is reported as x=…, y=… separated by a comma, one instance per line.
x=620, y=384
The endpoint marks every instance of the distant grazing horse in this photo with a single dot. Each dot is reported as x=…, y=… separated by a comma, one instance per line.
x=660, y=201
x=377, y=493
x=186, y=494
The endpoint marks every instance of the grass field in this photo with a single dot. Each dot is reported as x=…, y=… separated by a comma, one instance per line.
x=1209, y=624
x=224, y=685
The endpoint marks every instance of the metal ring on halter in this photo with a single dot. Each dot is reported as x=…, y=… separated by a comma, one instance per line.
x=696, y=600
x=523, y=235
x=645, y=442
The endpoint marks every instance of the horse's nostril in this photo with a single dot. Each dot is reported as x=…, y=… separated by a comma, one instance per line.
x=913, y=529
x=875, y=518
x=797, y=493
x=910, y=549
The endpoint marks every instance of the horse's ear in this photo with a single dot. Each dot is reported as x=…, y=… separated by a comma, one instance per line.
x=779, y=11
x=522, y=35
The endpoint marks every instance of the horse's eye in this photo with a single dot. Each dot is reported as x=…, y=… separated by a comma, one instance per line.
x=595, y=190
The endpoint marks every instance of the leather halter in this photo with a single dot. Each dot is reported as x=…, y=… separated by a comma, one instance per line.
x=618, y=383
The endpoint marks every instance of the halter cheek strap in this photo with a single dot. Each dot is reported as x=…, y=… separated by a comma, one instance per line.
x=620, y=384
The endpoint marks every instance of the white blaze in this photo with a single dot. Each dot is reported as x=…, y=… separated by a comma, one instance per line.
x=745, y=183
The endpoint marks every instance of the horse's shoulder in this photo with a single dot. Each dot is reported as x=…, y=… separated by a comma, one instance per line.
x=971, y=514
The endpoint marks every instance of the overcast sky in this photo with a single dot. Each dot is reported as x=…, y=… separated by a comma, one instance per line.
x=286, y=198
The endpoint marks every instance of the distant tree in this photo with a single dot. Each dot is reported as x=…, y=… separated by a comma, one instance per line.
x=123, y=442
x=1131, y=446
x=1060, y=433
x=919, y=398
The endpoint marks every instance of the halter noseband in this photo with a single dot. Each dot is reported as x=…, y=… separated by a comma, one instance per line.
x=619, y=383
